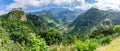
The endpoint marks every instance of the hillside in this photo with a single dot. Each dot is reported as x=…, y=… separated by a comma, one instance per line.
x=22, y=34
x=90, y=18
x=94, y=18
x=113, y=46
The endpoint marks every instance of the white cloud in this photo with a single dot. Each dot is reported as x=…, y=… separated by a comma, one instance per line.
x=108, y=5
x=35, y=3
x=59, y=2
x=28, y=3
x=40, y=3
x=100, y=4
x=82, y=5
x=78, y=4
x=2, y=12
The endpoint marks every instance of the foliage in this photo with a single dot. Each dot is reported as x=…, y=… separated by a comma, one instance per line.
x=6, y=44
x=36, y=43
x=17, y=29
x=87, y=45
x=95, y=34
x=116, y=29
x=51, y=36
x=105, y=40
x=70, y=39
x=90, y=44
x=100, y=33
x=113, y=46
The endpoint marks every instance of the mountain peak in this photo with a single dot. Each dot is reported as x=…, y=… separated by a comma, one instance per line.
x=17, y=13
x=93, y=8
x=88, y=19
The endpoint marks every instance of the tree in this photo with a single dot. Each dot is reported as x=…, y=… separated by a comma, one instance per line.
x=116, y=29
x=51, y=36
x=95, y=34
x=37, y=43
x=18, y=30
x=87, y=45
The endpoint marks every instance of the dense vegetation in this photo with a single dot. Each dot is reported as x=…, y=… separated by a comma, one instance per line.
x=41, y=31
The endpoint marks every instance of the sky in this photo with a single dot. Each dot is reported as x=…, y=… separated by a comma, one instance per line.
x=36, y=5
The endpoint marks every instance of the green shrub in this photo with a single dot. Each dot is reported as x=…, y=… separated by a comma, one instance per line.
x=6, y=44
x=87, y=45
x=94, y=34
x=37, y=43
x=17, y=30
x=69, y=39
x=81, y=46
x=105, y=40
x=51, y=36
x=116, y=29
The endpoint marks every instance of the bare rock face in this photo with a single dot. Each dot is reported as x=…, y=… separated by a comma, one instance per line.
x=107, y=23
x=23, y=18
x=18, y=14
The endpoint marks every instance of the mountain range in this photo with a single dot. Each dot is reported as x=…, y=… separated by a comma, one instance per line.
x=62, y=14
x=75, y=22
x=48, y=28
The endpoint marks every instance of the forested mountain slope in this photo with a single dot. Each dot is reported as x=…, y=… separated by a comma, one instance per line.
x=93, y=18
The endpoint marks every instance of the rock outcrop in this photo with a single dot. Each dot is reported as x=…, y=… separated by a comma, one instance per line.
x=18, y=14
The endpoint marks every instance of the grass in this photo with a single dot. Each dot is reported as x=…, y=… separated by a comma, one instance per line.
x=113, y=46
x=62, y=48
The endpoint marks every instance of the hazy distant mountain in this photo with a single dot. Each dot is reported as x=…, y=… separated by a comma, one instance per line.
x=62, y=14
x=65, y=14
